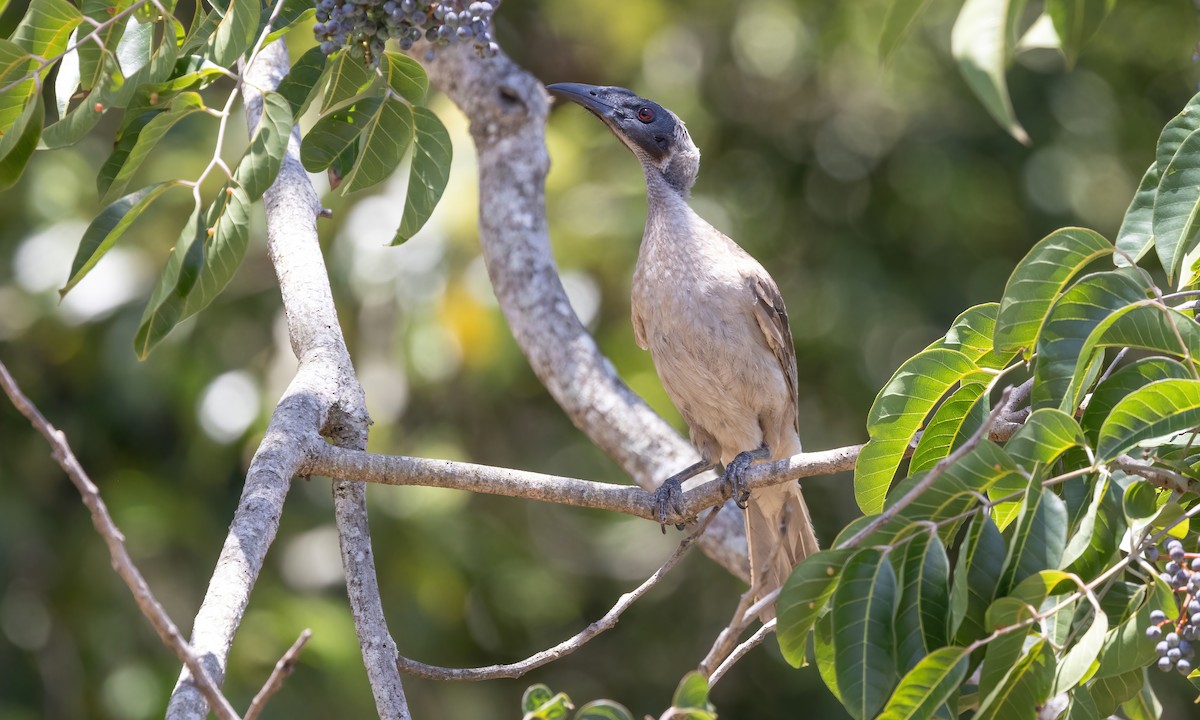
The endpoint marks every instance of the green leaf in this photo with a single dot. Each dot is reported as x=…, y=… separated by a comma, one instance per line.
x=1176, y=131
x=1144, y=705
x=923, y=613
x=1027, y=685
x=897, y=415
x=1122, y=382
x=803, y=599
x=535, y=696
x=976, y=577
x=92, y=62
x=429, y=174
x=1140, y=502
x=1163, y=407
x=1004, y=650
x=1126, y=646
x=929, y=684
x=1137, y=230
x=405, y=76
x=1039, y=279
x=898, y=25
x=981, y=42
x=558, y=707
x=1076, y=21
x=67, y=78
x=335, y=132
x=1077, y=661
x=300, y=85
x=199, y=268
x=291, y=14
x=1056, y=376
x=1095, y=541
x=386, y=135
x=1109, y=693
x=182, y=106
x=13, y=164
x=952, y=424
x=235, y=32
x=1082, y=706
x=349, y=77
x=108, y=227
x=259, y=166
x=863, y=610
x=16, y=105
x=692, y=693
x=152, y=67
x=1176, y=214
x=1039, y=537
x=603, y=710
x=824, y=652
x=972, y=333
x=72, y=127
x=45, y=28
x=1045, y=436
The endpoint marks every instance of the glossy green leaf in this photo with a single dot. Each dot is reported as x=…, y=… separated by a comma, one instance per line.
x=1126, y=646
x=92, y=64
x=303, y=81
x=386, y=135
x=1109, y=693
x=1045, y=436
x=1069, y=325
x=897, y=415
x=558, y=707
x=13, y=163
x=1137, y=228
x=66, y=80
x=46, y=26
x=1160, y=408
x=1122, y=382
x=16, y=105
x=603, y=710
x=972, y=334
x=692, y=692
x=981, y=42
x=1076, y=21
x=182, y=106
x=1140, y=502
x=405, y=76
x=952, y=424
x=863, y=609
x=1176, y=215
x=1038, y=280
x=929, y=684
x=428, y=175
x=235, y=33
x=153, y=67
x=335, y=132
x=1026, y=686
x=108, y=227
x=976, y=578
x=923, y=612
x=1076, y=663
x=535, y=696
x=803, y=599
x=200, y=266
x=258, y=167
x=1176, y=131
x=348, y=78
x=1039, y=537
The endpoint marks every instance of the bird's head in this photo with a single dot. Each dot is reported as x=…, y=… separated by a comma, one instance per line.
x=656, y=135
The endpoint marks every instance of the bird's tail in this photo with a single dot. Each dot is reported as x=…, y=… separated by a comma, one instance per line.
x=780, y=534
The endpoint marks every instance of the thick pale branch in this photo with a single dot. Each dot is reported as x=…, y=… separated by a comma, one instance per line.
x=121, y=562
x=568, y=646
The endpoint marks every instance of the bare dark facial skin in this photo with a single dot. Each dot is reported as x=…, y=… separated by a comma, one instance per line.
x=639, y=121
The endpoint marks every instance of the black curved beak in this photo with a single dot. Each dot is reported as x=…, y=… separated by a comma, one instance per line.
x=592, y=97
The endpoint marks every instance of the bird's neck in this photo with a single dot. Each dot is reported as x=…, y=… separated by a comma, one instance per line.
x=663, y=191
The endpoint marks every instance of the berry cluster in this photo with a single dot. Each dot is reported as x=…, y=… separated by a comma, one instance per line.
x=364, y=26
x=1176, y=640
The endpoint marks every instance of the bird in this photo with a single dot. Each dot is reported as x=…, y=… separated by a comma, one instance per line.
x=717, y=330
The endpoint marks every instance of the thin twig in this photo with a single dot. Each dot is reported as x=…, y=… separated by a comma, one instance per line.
x=282, y=670
x=738, y=652
x=607, y=622
x=121, y=561
x=730, y=633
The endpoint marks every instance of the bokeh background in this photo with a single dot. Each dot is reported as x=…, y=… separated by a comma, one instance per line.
x=882, y=198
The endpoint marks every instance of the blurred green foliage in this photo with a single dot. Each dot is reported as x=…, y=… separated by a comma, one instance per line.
x=883, y=199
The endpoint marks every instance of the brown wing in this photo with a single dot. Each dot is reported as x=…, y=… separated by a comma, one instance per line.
x=773, y=321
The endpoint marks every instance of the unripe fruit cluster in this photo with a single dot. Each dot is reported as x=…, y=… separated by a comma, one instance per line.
x=1176, y=640
x=364, y=26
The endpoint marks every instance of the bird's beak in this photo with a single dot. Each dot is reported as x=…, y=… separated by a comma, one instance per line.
x=591, y=97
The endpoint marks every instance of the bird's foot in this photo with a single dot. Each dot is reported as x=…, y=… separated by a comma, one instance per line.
x=733, y=480
x=668, y=501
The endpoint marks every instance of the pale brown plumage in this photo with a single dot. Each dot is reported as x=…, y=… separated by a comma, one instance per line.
x=717, y=330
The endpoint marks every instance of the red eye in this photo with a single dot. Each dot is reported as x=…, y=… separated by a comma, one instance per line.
x=645, y=114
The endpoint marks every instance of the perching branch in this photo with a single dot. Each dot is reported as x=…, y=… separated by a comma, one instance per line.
x=325, y=397
x=568, y=646
x=122, y=563
x=740, y=651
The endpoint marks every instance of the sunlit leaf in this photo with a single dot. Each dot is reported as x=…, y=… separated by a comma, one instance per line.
x=1004, y=650
x=291, y=13
x=92, y=64
x=603, y=710
x=259, y=166
x=386, y=135
x=1076, y=663
x=46, y=27
x=863, y=607
x=803, y=598
x=824, y=652
x=1039, y=537
x=1107, y=694
x=13, y=163
x=429, y=173
x=184, y=105
x=405, y=76
x=108, y=227
x=1122, y=382
x=535, y=696
x=335, y=132
x=954, y=421
x=929, y=684
x=16, y=105
x=1126, y=646
x=1026, y=686
x=976, y=577
x=981, y=42
x=303, y=81
x=1043, y=438
x=972, y=334
x=1144, y=705
x=897, y=415
x=692, y=692
x=1095, y=541
x=348, y=78
x=235, y=32
x=1160, y=408
x=1137, y=229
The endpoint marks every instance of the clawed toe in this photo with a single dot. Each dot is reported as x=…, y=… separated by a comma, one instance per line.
x=668, y=500
x=734, y=479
